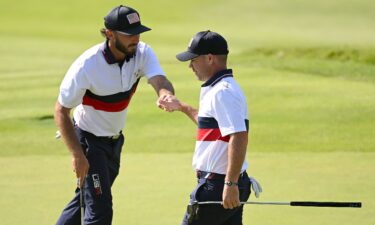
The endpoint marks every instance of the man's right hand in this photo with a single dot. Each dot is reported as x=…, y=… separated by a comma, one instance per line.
x=81, y=167
x=169, y=103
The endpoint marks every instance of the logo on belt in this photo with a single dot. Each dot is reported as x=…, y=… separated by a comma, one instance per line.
x=97, y=186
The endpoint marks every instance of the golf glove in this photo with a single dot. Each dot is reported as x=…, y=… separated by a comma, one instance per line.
x=255, y=185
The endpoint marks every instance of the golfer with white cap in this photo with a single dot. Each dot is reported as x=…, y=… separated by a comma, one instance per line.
x=100, y=85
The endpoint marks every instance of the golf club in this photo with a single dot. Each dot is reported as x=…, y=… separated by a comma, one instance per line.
x=81, y=204
x=295, y=203
x=193, y=207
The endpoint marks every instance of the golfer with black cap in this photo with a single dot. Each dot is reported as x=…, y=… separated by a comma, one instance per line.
x=100, y=85
x=221, y=142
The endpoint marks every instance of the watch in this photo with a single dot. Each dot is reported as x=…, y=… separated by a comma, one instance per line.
x=230, y=183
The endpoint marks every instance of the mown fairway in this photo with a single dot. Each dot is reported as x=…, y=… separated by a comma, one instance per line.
x=306, y=67
x=153, y=188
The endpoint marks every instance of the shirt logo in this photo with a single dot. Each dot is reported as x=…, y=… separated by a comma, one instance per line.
x=133, y=18
x=137, y=74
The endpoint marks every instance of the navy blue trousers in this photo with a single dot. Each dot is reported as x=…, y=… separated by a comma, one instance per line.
x=215, y=214
x=103, y=155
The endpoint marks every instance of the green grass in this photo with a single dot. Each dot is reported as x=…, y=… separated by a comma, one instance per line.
x=307, y=70
x=353, y=64
x=154, y=188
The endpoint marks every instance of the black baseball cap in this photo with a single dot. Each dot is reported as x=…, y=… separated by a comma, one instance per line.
x=203, y=43
x=124, y=19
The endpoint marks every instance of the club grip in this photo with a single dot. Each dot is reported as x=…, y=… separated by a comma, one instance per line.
x=328, y=204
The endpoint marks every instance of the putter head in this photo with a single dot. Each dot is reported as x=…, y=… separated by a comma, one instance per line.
x=192, y=211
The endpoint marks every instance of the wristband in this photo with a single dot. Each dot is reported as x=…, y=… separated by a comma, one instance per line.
x=230, y=183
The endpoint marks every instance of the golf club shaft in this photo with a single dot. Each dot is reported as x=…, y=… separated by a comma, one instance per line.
x=81, y=204
x=328, y=204
x=298, y=203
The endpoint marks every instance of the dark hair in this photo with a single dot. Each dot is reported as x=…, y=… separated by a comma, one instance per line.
x=102, y=31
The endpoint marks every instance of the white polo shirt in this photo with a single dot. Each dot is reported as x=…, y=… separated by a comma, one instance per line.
x=222, y=111
x=101, y=90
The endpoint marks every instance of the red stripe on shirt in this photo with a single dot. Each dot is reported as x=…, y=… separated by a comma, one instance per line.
x=211, y=135
x=105, y=106
x=100, y=103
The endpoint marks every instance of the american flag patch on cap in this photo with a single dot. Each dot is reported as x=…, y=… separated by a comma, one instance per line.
x=133, y=18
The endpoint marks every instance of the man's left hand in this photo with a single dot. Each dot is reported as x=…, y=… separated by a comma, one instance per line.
x=231, y=197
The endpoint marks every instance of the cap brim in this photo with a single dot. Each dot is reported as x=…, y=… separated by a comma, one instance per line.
x=135, y=30
x=186, y=56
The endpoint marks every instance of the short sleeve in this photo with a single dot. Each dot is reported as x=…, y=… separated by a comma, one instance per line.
x=229, y=111
x=151, y=66
x=73, y=86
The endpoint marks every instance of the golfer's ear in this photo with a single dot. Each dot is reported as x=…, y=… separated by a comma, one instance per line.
x=109, y=34
x=210, y=59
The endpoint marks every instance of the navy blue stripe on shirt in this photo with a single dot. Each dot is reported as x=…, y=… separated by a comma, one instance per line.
x=118, y=97
x=210, y=123
x=207, y=122
x=208, y=130
x=110, y=103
